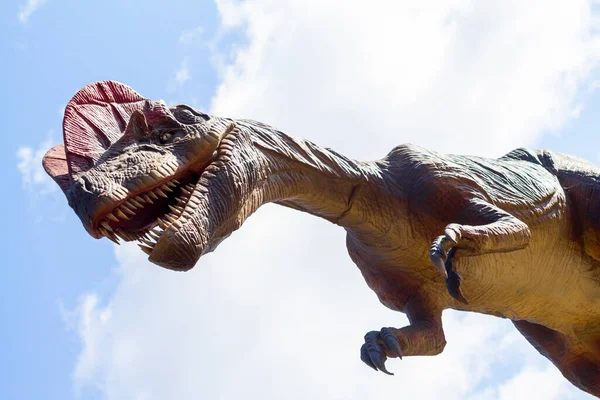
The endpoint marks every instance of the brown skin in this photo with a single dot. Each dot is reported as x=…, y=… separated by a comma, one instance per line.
x=517, y=237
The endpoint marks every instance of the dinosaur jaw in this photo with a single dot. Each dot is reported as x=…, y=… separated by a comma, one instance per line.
x=158, y=216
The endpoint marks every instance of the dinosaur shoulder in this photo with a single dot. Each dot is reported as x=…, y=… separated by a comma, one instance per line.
x=521, y=154
x=516, y=178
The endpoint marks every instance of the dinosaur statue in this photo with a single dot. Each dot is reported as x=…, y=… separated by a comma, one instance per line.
x=516, y=237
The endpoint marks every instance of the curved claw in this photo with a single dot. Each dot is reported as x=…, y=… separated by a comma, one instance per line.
x=374, y=351
x=379, y=361
x=454, y=280
x=453, y=286
x=391, y=341
x=438, y=263
x=364, y=356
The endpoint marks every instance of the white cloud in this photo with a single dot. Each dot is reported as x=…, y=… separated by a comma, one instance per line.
x=29, y=164
x=279, y=311
x=191, y=36
x=182, y=75
x=29, y=8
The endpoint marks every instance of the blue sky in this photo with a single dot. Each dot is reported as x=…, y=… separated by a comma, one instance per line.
x=249, y=61
x=61, y=47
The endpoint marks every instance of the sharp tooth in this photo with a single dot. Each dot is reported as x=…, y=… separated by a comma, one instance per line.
x=147, y=181
x=174, y=209
x=129, y=204
x=167, y=188
x=103, y=231
x=162, y=223
x=163, y=170
x=113, y=237
x=156, y=175
x=185, y=191
x=106, y=225
x=140, y=199
x=173, y=183
x=171, y=218
x=112, y=217
x=148, y=242
x=154, y=196
x=120, y=214
x=123, y=235
x=154, y=235
x=136, y=203
x=148, y=199
x=145, y=249
x=122, y=191
x=190, y=187
x=161, y=193
x=127, y=209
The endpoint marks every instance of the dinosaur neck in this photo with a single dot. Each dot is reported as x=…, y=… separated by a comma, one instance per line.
x=309, y=178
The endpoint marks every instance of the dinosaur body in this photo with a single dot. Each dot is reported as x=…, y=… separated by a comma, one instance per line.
x=517, y=237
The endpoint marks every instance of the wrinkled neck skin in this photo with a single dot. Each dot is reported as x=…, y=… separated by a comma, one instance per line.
x=301, y=175
x=257, y=164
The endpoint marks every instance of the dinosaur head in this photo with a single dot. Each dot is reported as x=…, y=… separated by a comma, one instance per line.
x=135, y=169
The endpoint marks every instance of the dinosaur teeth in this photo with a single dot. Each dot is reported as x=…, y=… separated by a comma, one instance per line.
x=106, y=225
x=150, y=243
x=162, y=223
x=126, y=209
x=129, y=204
x=156, y=175
x=145, y=249
x=160, y=193
x=109, y=235
x=152, y=195
x=166, y=187
x=112, y=217
x=136, y=203
x=120, y=214
x=147, y=199
x=147, y=181
x=124, y=235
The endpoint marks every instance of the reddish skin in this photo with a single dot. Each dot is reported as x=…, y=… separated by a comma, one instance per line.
x=522, y=230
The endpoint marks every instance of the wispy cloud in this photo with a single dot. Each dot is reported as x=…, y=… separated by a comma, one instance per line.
x=182, y=75
x=29, y=8
x=191, y=36
x=29, y=164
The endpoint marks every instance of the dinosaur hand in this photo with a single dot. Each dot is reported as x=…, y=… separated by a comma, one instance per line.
x=438, y=253
x=378, y=346
x=441, y=255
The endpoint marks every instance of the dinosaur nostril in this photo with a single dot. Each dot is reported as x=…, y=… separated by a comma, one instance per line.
x=87, y=185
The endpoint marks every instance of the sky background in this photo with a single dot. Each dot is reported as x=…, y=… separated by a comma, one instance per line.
x=279, y=310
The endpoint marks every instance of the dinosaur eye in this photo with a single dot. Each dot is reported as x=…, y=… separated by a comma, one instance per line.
x=164, y=137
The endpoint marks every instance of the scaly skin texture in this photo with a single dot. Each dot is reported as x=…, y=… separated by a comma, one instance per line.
x=516, y=237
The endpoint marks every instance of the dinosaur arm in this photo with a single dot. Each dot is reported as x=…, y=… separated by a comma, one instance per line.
x=498, y=232
x=423, y=337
